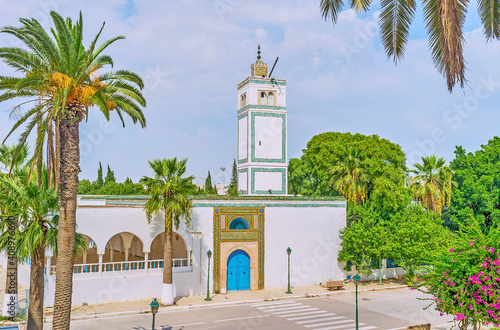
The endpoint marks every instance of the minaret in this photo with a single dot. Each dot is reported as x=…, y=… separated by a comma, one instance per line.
x=262, y=129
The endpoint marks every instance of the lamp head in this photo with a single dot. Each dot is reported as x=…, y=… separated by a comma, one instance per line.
x=154, y=306
x=288, y=251
x=209, y=254
x=356, y=279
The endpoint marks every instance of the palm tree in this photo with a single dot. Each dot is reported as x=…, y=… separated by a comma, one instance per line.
x=7, y=164
x=350, y=177
x=168, y=191
x=35, y=205
x=60, y=81
x=433, y=183
x=444, y=21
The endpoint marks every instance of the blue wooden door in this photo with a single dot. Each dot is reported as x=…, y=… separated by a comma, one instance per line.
x=238, y=271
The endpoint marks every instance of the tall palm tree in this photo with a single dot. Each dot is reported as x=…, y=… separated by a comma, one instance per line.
x=60, y=81
x=350, y=177
x=444, y=21
x=34, y=204
x=433, y=183
x=168, y=191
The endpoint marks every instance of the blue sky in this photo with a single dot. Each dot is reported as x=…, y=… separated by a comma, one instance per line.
x=192, y=54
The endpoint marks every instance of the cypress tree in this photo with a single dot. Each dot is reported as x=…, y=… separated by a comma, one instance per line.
x=233, y=184
x=110, y=176
x=99, y=181
x=209, y=188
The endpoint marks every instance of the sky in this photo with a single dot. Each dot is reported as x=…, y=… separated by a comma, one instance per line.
x=192, y=55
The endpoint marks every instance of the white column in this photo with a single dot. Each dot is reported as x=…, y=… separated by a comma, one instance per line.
x=48, y=265
x=84, y=257
x=146, y=259
x=100, y=265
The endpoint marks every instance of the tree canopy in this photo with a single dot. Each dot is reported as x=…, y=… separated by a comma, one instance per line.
x=383, y=162
x=477, y=194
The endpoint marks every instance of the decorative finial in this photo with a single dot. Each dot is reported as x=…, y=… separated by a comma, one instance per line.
x=258, y=53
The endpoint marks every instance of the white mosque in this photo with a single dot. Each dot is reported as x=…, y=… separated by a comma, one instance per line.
x=248, y=235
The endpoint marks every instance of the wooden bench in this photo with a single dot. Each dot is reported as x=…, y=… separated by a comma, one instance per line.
x=334, y=285
x=419, y=327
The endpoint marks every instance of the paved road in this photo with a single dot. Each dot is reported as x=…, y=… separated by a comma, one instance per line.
x=387, y=309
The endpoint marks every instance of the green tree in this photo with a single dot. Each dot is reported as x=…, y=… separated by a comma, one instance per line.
x=350, y=177
x=295, y=176
x=433, y=183
x=233, y=184
x=110, y=176
x=99, y=182
x=419, y=237
x=365, y=240
x=35, y=205
x=444, y=22
x=66, y=80
x=384, y=164
x=169, y=190
x=476, y=195
x=209, y=187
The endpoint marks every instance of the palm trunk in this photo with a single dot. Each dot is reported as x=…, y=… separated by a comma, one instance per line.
x=167, y=297
x=35, y=308
x=10, y=302
x=69, y=159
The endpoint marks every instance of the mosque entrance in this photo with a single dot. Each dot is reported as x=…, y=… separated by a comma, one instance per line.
x=238, y=271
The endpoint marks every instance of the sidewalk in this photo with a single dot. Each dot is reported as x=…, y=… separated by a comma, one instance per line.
x=142, y=306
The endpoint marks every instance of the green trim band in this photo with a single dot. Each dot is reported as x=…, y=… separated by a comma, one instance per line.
x=260, y=107
x=264, y=204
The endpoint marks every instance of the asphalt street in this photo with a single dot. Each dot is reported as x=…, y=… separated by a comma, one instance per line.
x=385, y=309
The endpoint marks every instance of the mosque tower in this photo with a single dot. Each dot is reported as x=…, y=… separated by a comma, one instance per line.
x=262, y=133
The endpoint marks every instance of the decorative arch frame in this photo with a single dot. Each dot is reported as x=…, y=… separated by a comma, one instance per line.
x=227, y=241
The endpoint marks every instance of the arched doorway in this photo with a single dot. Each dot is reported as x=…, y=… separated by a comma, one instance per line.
x=238, y=271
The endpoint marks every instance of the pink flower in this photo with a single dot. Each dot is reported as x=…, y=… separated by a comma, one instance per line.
x=451, y=250
x=460, y=316
x=471, y=243
x=492, y=250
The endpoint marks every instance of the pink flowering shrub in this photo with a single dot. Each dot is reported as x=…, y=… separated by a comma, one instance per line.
x=465, y=281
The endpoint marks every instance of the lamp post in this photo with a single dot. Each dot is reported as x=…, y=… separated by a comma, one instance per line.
x=289, y=251
x=209, y=255
x=356, y=279
x=154, y=309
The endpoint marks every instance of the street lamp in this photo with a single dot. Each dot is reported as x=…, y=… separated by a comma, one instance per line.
x=209, y=255
x=289, y=251
x=154, y=309
x=357, y=279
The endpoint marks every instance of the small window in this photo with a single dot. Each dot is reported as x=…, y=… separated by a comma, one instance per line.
x=270, y=98
x=239, y=224
x=263, y=98
x=243, y=100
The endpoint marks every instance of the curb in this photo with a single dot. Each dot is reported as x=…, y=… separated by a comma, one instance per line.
x=222, y=304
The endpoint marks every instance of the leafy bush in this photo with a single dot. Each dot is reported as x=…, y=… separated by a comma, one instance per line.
x=465, y=281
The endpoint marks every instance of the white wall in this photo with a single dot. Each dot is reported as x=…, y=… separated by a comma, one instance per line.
x=313, y=235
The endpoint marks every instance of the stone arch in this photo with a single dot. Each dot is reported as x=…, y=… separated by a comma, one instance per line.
x=179, y=247
x=124, y=246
